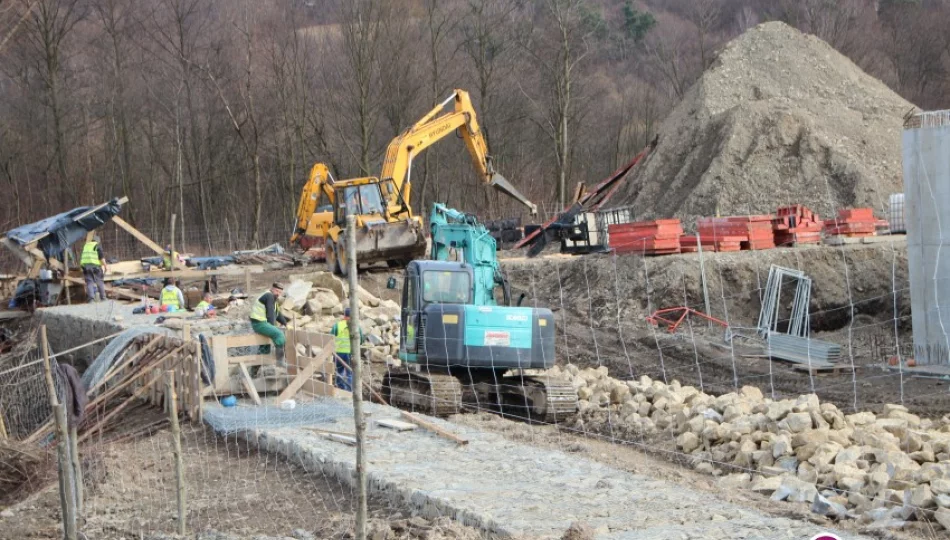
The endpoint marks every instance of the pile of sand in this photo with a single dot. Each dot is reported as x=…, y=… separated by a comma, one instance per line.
x=780, y=118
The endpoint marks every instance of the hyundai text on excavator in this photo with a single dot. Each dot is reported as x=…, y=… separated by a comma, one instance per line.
x=387, y=229
x=462, y=341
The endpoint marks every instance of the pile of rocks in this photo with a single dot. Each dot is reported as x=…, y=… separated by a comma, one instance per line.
x=882, y=470
x=316, y=301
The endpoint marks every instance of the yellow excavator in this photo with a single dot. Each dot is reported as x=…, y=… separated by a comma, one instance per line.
x=387, y=228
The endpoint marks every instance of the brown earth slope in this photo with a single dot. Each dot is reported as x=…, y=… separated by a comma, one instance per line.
x=780, y=118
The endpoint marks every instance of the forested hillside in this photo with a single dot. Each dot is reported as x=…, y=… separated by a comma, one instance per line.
x=215, y=110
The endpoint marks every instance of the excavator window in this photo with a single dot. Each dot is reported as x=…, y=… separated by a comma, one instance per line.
x=362, y=200
x=446, y=287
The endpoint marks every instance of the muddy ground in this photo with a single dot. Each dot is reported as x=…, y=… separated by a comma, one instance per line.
x=860, y=299
x=130, y=493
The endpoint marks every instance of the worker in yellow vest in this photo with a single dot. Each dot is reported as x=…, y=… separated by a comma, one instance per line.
x=171, y=298
x=171, y=257
x=341, y=329
x=205, y=308
x=265, y=315
x=93, y=265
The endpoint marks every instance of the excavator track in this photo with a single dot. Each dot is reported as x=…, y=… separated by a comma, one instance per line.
x=429, y=393
x=541, y=399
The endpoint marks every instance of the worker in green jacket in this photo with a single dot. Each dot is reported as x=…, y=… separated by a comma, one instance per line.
x=93, y=265
x=265, y=315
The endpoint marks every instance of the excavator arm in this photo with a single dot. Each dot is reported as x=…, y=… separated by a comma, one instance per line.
x=430, y=129
x=319, y=181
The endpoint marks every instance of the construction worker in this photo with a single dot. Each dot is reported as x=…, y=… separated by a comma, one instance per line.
x=171, y=298
x=205, y=308
x=265, y=315
x=93, y=265
x=170, y=257
x=341, y=329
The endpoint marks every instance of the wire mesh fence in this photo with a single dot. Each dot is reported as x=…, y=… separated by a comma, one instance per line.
x=701, y=395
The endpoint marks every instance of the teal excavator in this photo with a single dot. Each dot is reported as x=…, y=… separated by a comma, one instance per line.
x=462, y=341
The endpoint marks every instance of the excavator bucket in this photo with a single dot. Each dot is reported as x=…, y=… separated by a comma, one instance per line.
x=399, y=241
x=502, y=184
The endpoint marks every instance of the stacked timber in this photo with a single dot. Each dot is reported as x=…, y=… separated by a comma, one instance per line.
x=660, y=237
x=795, y=225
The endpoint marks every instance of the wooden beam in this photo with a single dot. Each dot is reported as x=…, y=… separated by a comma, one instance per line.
x=248, y=383
x=434, y=428
x=302, y=377
x=139, y=235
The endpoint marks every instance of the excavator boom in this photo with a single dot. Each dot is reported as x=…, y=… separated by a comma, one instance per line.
x=435, y=126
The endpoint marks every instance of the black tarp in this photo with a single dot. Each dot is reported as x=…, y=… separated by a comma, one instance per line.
x=64, y=229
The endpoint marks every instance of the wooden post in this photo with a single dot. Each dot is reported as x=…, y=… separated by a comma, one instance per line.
x=67, y=490
x=176, y=448
x=247, y=283
x=77, y=469
x=358, y=417
x=172, y=257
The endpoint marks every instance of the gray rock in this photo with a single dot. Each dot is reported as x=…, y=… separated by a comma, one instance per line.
x=300, y=534
x=943, y=518
x=687, y=442
x=824, y=507
x=794, y=490
x=734, y=481
x=766, y=485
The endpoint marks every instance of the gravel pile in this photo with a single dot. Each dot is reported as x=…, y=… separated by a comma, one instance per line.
x=884, y=470
x=780, y=118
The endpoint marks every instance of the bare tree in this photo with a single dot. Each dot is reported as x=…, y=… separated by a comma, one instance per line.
x=48, y=26
x=558, y=46
x=362, y=27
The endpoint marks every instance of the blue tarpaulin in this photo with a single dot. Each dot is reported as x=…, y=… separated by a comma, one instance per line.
x=55, y=234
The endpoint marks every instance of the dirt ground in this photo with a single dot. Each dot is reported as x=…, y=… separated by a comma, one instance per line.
x=858, y=294
x=231, y=488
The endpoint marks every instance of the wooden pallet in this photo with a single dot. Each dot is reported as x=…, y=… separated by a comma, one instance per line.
x=823, y=369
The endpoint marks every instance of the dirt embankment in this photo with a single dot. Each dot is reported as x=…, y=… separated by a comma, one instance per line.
x=780, y=118
x=601, y=304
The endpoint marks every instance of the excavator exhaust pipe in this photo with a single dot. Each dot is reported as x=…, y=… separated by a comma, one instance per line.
x=502, y=184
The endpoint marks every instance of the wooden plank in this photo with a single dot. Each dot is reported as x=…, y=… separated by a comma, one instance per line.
x=395, y=424
x=246, y=340
x=434, y=428
x=188, y=274
x=219, y=351
x=248, y=383
x=10, y=315
x=138, y=235
x=302, y=377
